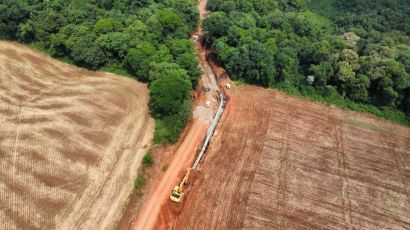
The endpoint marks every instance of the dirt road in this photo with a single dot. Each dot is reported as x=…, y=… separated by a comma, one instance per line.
x=68, y=140
x=155, y=212
x=281, y=162
x=150, y=215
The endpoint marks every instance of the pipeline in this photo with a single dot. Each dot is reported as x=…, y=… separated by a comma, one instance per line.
x=211, y=130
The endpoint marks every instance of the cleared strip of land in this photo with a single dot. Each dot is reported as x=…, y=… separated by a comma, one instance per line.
x=280, y=162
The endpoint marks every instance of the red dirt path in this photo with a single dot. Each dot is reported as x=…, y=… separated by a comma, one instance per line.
x=148, y=218
x=157, y=211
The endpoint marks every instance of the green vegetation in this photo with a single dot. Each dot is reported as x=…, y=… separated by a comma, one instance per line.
x=165, y=167
x=139, y=183
x=146, y=39
x=355, y=54
x=371, y=126
x=147, y=160
x=168, y=128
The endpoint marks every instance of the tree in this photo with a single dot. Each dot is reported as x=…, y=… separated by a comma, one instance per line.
x=183, y=52
x=322, y=72
x=286, y=63
x=396, y=71
x=57, y=44
x=188, y=9
x=216, y=25
x=165, y=69
x=264, y=6
x=12, y=13
x=253, y=64
x=137, y=30
x=168, y=95
x=357, y=89
x=166, y=24
x=317, y=52
x=106, y=25
x=114, y=45
x=345, y=72
x=223, y=50
x=138, y=60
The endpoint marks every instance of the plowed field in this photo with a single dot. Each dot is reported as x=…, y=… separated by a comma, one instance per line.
x=70, y=142
x=280, y=162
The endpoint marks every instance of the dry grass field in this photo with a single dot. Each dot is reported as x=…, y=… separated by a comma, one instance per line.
x=70, y=142
x=280, y=162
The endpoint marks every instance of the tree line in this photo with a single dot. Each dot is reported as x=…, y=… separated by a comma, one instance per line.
x=146, y=39
x=352, y=53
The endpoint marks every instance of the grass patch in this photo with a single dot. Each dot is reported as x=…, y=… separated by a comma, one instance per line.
x=165, y=167
x=329, y=96
x=140, y=181
x=116, y=69
x=367, y=125
x=148, y=160
x=139, y=184
x=238, y=84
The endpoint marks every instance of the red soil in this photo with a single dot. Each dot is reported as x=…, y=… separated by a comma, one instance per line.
x=283, y=162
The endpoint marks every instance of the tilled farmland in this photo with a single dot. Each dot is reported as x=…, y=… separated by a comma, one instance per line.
x=71, y=141
x=280, y=162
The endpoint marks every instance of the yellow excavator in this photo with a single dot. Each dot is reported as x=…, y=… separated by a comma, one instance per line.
x=178, y=192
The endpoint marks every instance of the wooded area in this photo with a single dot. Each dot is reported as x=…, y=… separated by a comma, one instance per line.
x=355, y=54
x=146, y=39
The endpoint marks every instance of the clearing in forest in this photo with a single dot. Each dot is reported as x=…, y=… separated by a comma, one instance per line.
x=281, y=162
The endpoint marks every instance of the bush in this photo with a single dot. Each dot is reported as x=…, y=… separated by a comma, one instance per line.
x=165, y=167
x=168, y=129
x=139, y=183
x=148, y=160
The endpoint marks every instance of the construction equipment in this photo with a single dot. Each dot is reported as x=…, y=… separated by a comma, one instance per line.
x=178, y=191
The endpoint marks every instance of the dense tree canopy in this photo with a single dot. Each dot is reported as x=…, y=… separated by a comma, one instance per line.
x=146, y=38
x=359, y=50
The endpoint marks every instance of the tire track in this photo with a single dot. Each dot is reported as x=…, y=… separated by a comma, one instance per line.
x=398, y=159
x=282, y=174
x=342, y=173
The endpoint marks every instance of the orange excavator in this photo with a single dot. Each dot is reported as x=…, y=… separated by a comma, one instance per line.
x=178, y=192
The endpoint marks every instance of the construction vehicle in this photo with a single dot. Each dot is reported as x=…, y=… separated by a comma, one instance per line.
x=178, y=192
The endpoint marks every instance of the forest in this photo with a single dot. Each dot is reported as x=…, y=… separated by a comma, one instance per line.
x=352, y=53
x=145, y=39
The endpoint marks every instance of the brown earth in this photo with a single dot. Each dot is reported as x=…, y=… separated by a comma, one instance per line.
x=280, y=162
x=71, y=142
x=154, y=210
